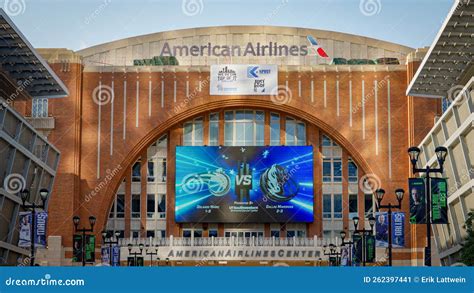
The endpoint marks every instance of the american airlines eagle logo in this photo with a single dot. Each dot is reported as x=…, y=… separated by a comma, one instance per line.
x=315, y=49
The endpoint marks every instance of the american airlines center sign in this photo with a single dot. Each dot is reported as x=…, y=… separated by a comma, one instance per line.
x=240, y=79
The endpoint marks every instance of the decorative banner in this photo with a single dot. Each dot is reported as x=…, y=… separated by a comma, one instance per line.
x=115, y=256
x=439, y=201
x=345, y=256
x=398, y=229
x=357, y=249
x=105, y=255
x=90, y=248
x=240, y=79
x=41, y=220
x=417, y=200
x=78, y=248
x=244, y=184
x=369, y=248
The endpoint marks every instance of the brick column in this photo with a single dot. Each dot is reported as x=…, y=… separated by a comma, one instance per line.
x=143, y=191
x=313, y=136
x=174, y=139
x=266, y=141
x=128, y=201
x=345, y=189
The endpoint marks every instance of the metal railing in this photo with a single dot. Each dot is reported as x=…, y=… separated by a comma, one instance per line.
x=230, y=241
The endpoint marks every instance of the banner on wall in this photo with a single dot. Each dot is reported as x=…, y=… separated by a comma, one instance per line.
x=115, y=255
x=41, y=220
x=417, y=200
x=244, y=184
x=439, y=201
x=398, y=229
x=243, y=79
x=357, y=249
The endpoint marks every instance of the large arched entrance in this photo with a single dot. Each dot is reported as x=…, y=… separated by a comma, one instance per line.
x=140, y=204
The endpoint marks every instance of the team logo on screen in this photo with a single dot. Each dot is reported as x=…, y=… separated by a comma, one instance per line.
x=277, y=185
x=218, y=183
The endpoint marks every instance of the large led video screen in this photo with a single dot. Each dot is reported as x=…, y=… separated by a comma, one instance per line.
x=272, y=184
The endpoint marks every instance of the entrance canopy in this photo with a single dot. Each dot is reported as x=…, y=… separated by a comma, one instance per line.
x=24, y=66
x=449, y=57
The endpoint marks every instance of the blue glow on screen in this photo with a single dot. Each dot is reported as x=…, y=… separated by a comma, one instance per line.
x=224, y=184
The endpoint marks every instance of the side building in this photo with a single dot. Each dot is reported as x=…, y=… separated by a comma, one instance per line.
x=27, y=159
x=446, y=73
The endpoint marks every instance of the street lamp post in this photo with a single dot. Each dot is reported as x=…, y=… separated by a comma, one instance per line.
x=332, y=252
x=363, y=232
x=414, y=153
x=108, y=240
x=83, y=231
x=379, y=194
x=151, y=253
x=349, y=243
x=135, y=254
x=24, y=195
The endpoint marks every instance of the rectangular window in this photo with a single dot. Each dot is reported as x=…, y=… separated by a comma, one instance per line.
x=150, y=206
x=353, y=204
x=326, y=170
x=275, y=233
x=136, y=177
x=352, y=171
x=188, y=133
x=214, y=129
x=326, y=141
x=337, y=164
x=290, y=131
x=338, y=206
x=290, y=233
x=39, y=108
x=212, y=233
x=135, y=234
x=150, y=233
x=136, y=206
x=187, y=233
x=368, y=204
x=300, y=134
x=244, y=128
x=326, y=206
x=151, y=171
x=197, y=233
x=193, y=132
x=120, y=205
x=162, y=206
x=274, y=129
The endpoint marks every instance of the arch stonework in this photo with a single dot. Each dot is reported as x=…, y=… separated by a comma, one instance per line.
x=155, y=133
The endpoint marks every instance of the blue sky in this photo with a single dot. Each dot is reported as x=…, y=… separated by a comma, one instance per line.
x=77, y=24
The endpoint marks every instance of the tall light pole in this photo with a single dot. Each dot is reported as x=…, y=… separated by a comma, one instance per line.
x=151, y=253
x=76, y=220
x=379, y=194
x=25, y=195
x=363, y=232
x=135, y=254
x=414, y=153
